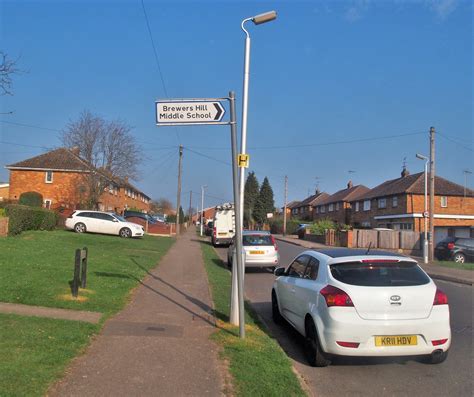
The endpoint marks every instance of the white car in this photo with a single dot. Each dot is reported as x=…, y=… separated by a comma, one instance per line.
x=349, y=303
x=103, y=222
x=260, y=249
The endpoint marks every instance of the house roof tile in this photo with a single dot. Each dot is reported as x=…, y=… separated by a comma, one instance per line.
x=59, y=159
x=414, y=184
x=347, y=195
x=312, y=200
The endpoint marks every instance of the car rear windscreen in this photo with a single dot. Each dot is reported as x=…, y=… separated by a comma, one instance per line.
x=379, y=274
x=257, y=240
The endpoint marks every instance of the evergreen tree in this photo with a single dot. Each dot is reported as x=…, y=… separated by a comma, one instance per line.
x=251, y=193
x=264, y=203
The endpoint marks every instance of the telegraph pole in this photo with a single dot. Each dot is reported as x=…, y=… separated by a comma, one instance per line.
x=432, y=194
x=190, y=215
x=284, y=208
x=178, y=199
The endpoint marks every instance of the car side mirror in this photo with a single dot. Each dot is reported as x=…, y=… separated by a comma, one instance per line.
x=279, y=271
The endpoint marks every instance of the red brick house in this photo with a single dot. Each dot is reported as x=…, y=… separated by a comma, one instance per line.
x=337, y=207
x=60, y=177
x=399, y=204
x=304, y=209
x=289, y=207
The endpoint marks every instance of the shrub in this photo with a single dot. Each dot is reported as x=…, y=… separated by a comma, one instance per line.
x=276, y=225
x=24, y=218
x=32, y=199
x=321, y=226
x=2, y=212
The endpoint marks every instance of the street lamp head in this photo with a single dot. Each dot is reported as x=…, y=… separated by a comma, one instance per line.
x=265, y=17
x=421, y=157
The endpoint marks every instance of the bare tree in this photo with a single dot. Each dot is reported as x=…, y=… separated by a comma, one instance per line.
x=108, y=146
x=8, y=67
x=162, y=205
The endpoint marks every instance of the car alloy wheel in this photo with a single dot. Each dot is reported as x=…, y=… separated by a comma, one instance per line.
x=459, y=258
x=314, y=354
x=79, y=228
x=125, y=232
x=276, y=316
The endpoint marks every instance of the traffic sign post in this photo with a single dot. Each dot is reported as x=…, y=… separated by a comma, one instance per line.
x=210, y=111
x=189, y=112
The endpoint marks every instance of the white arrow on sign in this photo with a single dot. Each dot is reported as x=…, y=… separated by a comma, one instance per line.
x=189, y=112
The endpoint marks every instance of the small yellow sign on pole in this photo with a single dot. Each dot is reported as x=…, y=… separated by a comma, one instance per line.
x=243, y=160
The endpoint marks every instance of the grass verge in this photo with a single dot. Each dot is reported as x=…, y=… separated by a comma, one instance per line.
x=36, y=268
x=35, y=351
x=258, y=364
x=455, y=265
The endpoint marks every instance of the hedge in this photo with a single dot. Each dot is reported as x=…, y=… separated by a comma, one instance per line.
x=32, y=199
x=24, y=218
x=276, y=226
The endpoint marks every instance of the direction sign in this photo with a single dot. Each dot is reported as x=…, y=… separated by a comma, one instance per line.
x=189, y=112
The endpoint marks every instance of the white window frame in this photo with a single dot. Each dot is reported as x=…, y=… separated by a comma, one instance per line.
x=316, y=209
x=444, y=201
x=357, y=206
x=382, y=202
x=46, y=205
x=395, y=201
x=323, y=209
x=46, y=177
x=331, y=207
x=366, y=205
x=337, y=206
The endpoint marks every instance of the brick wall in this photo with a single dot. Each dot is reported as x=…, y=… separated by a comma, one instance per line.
x=341, y=216
x=67, y=188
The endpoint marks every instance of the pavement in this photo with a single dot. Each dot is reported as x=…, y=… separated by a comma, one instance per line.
x=159, y=344
x=435, y=271
x=40, y=311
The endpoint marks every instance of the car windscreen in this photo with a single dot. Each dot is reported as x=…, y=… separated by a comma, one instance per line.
x=379, y=273
x=255, y=240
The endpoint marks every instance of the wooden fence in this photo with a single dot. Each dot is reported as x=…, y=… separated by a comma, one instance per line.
x=407, y=241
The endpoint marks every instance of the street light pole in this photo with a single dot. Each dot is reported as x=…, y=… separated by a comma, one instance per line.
x=425, y=236
x=202, y=206
x=257, y=20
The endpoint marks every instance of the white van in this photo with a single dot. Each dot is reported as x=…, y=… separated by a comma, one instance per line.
x=224, y=225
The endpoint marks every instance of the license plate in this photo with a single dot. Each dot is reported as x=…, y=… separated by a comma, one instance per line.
x=396, y=340
x=257, y=252
x=222, y=234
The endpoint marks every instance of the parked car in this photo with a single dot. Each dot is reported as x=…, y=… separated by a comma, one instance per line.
x=457, y=249
x=102, y=222
x=260, y=249
x=300, y=229
x=347, y=303
x=141, y=215
x=208, y=227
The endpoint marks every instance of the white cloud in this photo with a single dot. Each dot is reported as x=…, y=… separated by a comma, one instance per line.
x=356, y=10
x=442, y=8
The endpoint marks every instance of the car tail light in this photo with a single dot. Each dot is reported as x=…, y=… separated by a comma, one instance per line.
x=450, y=246
x=440, y=298
x=380, y=261
x=274, y=243
x=439, y=342
x=354, y=345
x=335, y=296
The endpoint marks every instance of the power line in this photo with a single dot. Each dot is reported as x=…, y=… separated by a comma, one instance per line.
x=463, y=145
x=206, y=156
x=20, y=144
x=30, y=126
x=155, y=52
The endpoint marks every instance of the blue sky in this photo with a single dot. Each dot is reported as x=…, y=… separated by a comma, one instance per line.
x=330, y=82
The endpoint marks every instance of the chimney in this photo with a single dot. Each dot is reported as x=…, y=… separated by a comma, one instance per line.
x=317, y=191
x=75, y=150
x=405, y=172
x=349, y=184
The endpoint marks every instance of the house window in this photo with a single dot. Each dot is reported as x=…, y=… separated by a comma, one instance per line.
x=331, y=208
x=395, y=201
x=382, y=202
x=317, y=210
x=323, y=209
x=367, y=205
x=337, y=206
x=47, y=203
x=444, y=201
x=357, y=206
x=48, y=177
